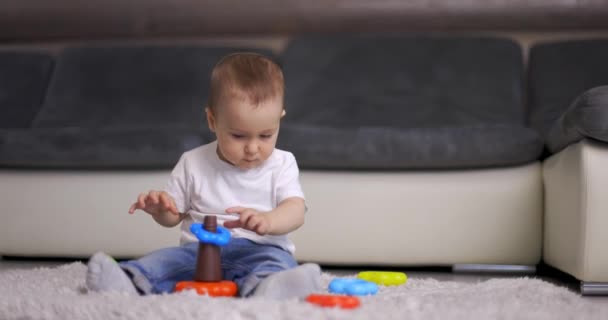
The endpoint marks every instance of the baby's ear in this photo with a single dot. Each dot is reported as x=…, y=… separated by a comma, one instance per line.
x=283, y=113
x=210, y=119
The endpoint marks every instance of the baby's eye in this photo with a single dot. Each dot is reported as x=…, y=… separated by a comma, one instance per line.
x=265, y=136
x=237, y=136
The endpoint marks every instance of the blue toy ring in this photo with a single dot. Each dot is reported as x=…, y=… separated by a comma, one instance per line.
x=353, y=287
x=221, y=238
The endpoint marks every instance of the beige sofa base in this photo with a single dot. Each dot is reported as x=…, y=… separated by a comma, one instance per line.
x=491, y=216
x=74, y=213
x=576, y=207
x=488, y=216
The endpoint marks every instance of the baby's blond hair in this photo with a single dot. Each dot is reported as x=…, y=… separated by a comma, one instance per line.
x=248, y=75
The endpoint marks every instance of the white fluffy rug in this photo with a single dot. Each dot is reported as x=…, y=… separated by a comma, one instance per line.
x=59, y=293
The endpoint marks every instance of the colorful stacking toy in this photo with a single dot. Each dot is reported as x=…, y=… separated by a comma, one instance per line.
x=208, y=275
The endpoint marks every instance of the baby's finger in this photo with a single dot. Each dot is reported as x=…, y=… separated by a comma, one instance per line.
x=261, y=229
x=235, y=210
x=245, y=217
x=174, y=210
x=138, y=205
x=164, y=201
x=141, y=200
x=168, y=203
x=253, y=223
x=154, y=196
x=247, y=220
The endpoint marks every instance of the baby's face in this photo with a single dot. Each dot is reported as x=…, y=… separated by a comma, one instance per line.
x=246, y=134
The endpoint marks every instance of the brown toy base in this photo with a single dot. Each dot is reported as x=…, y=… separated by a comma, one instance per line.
x=213, y=289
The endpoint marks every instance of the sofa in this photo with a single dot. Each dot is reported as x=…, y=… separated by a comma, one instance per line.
x=568, y=101
x=413, y=150
x=411, y=143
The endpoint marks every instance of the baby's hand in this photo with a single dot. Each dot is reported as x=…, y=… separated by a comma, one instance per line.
x=155, y=203
x=249, y=219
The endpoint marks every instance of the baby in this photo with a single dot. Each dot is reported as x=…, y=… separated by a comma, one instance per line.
x=251, y=187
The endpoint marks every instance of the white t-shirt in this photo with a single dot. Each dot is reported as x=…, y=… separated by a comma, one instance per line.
x=201, y=184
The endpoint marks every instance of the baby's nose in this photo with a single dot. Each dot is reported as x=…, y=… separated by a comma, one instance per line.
x=251, y=147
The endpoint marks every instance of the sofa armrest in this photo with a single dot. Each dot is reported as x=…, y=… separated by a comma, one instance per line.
x=586, y=117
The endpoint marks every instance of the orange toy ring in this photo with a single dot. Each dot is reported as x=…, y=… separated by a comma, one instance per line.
x=213, y=289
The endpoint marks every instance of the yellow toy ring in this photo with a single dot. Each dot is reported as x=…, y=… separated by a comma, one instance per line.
x=384, y=278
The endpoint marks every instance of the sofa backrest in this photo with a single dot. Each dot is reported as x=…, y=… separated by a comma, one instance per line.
x=403, y=81
x=558, y=73
x=24, y=77
x=118, y=107
x=69, y=19
x=130, y=86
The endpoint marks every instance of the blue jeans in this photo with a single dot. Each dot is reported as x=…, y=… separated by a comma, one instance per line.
x=243, y=261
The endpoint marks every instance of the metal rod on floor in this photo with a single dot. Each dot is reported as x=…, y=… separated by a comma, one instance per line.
x=494, y=268
x=594, y=288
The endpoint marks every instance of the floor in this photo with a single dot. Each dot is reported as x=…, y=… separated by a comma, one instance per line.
x=444, y=274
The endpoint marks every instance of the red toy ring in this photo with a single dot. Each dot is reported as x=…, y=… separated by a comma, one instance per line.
x=328, y=300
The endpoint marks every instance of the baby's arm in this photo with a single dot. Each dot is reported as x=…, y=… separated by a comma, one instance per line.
x=286, y=217
x=160, y=205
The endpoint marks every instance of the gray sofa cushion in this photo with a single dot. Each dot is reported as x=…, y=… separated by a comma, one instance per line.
x=97, y=148
x=118, y=107
x=587, y=117
x=24, y=79
x=130, y=86
x=404, y=81
x=558, y=73
x=427, y=102
x=377, y=148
